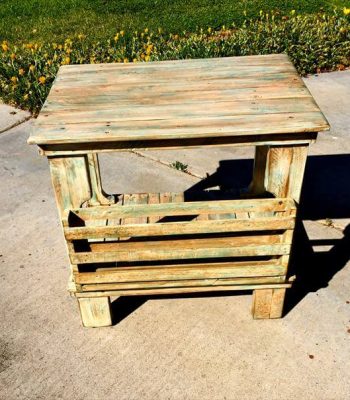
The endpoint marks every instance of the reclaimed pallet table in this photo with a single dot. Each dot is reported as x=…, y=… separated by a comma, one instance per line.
x=160, y=243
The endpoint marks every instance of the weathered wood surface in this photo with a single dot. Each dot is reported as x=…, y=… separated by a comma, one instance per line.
x=95, y=312
x=268, y=303
x=243, y=96
x=183, y=208
x=160, y=291
x=179, y=228
x=134, y=213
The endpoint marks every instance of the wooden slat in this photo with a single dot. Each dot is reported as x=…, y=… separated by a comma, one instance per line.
x=270, y=59
x=182, y=272
x=181, y=283
x=164, y=291
x=222, y=109
x=162, y=76
x=63, y=101
x=179, y=254
x=199, y=127
x=185, y=208
x=207, y=65
x=180, y=228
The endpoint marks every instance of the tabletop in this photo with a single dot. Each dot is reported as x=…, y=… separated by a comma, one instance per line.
x=188, y=99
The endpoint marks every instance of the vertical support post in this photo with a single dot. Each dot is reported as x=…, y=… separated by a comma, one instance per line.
x=278, y=170
x=95, y=312
x=73, y=186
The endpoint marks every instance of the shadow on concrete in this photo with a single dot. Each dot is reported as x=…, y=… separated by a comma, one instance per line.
x=326, y=194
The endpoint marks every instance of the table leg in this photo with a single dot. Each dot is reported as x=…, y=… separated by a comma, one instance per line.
x=278, y=170
x=95, y=312
x=76, y=181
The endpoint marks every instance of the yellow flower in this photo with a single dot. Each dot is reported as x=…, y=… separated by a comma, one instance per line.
x=146, y=30
x=116, y=37
x=134, y=60
x=14, y=79
x=25, y=97
x=32, y=68
x=81, y=36
x=21, y=72
x=13, y=56
x=176, y=37
x=292, y=12
x=66, y=61
x=4, y=46
x=147, y=58
x=49, y=62
x=60, y=47
x=126, y=60
x=209, y=30
x=42, y=80
x=346, y=11
x=121, y=33
x=149, y=49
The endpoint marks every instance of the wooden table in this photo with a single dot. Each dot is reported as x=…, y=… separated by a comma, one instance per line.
x=152, y=243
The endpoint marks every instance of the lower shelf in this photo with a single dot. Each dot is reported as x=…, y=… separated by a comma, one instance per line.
x=162, y=243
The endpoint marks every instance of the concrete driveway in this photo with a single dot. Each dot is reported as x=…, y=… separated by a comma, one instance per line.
x=175, y=347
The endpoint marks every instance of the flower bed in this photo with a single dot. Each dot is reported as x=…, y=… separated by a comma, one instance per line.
x=315, y=43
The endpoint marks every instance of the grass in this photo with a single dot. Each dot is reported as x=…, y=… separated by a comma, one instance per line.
x=52, y=20
x=179, y=166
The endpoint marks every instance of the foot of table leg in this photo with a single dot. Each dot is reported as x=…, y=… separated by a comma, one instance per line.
x=268, y=303
x=95, y=312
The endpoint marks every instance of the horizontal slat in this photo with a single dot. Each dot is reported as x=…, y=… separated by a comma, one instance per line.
x=171, y=144
x=284, y=79
x=185, y=208
x=182, y=272
x=106, y=112
x=211, y=64
x=183, y=283
x=164, y=291
x=179, y=228
x=180, y=254
x=123, y=76
x=63, y=102
x=177, y=128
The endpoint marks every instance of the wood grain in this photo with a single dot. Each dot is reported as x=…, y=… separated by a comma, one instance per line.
x=164, y=100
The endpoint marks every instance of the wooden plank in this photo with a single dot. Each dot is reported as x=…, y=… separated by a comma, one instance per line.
x=134, y=199
x=65, y=101
x=180, y=283
x=182, y=272
x=216, y=109
x=95, y=312
x=185, y=208
x=179, y=254
x=180, y=228
x=141, y=292
x=166, y=76
x=270, y=59
x=153, y=198
x=168, y=84
x=210, y=65
x=199, y=127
